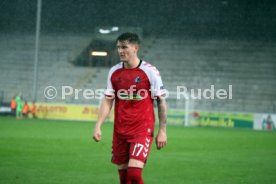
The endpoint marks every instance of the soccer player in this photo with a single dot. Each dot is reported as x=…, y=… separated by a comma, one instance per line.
x=133, y=84
x=25, y=110
x=19, y=107
x=13, y=106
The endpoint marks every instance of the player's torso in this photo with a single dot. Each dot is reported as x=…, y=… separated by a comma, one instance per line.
x=131, y=80
x=133, y=103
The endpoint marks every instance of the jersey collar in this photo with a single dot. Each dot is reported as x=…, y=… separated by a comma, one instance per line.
x=136, y=66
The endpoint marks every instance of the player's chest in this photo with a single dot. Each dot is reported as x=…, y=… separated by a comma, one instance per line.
x=126, y=79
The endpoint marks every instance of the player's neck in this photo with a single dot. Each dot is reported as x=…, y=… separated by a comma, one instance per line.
x=132, y=63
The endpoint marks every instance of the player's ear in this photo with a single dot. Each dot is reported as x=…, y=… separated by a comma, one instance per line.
x=136, y=46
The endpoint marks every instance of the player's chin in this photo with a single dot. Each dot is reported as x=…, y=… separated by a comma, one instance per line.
x=123, y=59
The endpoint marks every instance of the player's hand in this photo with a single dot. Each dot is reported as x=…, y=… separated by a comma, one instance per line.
x=161, y=139
x=97, y=134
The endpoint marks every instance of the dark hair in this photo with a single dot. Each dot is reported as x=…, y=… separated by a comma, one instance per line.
x=130, y=37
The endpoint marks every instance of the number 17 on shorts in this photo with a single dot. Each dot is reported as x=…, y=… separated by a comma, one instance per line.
x=140, y=149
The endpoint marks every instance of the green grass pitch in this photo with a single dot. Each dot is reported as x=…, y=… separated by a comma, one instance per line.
x=62, y=152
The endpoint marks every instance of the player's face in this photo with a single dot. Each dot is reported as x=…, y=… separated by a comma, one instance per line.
x=127, y=51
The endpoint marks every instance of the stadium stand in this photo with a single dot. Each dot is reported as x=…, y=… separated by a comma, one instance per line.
x=248, y=66
x=17, y=64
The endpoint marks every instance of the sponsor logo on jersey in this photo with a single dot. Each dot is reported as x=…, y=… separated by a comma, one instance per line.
x=130, y=97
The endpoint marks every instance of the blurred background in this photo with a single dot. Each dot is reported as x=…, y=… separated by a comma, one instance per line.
x=194, y=43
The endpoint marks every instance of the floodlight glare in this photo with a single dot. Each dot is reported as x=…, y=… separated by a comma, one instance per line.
x=99, y=53
x=104, y=31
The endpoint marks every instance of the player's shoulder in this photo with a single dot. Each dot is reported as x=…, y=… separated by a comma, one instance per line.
x=149, y=68
x=116, y=67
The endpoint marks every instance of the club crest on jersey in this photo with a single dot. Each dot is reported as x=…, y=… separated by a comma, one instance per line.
x=137, y=80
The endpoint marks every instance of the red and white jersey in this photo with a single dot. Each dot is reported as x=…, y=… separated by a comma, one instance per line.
x=134, y=91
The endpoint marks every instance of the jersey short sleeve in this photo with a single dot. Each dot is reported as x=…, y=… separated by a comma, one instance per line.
x=157, y=87
x=109, y=89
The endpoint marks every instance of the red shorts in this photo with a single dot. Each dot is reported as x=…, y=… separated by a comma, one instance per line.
x=130, y=147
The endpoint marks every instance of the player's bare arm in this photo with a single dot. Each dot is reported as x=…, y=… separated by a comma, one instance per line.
x=161, y=138
x=105, y=108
